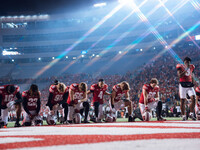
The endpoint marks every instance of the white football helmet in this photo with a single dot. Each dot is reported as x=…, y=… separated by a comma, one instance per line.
x=146, y=116
x=77, y=118
x=51, y=119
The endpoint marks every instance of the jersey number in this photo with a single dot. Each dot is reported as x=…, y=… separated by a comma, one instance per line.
x=32, y=101
x=58, y=98
x=78, y=96
x=100, y=95
x=8, y=98
x=187, y=72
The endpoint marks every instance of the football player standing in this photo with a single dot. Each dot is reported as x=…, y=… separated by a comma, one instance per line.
x=186, y=86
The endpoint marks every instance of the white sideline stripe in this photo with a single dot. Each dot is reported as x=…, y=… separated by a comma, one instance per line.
x=91, y=131
x=164, y=144
x=197, y=124
x=14, y=140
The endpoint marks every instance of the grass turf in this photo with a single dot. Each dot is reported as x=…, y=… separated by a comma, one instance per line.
x=11, y=124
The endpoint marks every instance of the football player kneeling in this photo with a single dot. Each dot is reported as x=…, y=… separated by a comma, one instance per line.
x=77, y=101
x=31, y=104
x=57, y=101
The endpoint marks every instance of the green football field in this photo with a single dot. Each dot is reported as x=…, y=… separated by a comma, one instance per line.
x=11, y=124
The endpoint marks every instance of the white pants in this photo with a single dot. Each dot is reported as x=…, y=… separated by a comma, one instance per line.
x=117, y=106
x=4, y=114
x=28, y=119
x=100, y=114
x=72, y=110
x=183, y=91
x=197, y=110
x=151, y=106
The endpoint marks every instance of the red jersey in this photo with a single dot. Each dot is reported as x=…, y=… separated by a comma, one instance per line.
x=77, y=94
x=98, y=92
x=31, y=100
x=57, y=96
x=188, y=75
x=150, y=93
x=119, y=93
x=6, y=97
x=198, y=93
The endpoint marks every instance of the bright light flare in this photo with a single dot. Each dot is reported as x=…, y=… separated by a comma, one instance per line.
x=100, y=5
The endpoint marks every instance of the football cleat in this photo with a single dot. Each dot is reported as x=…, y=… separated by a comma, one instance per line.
x=192, y=117
x=184, y=118
x=1, y=124
x=130, y=119
x=66, y=122
x=86, y=121
x=17, y=125
x=98, y=121
x=161, y=119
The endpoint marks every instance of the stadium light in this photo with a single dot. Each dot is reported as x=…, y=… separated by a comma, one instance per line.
x=22, y=16
x=7, y=53
x=141, y=49
x=28, y=17
x=82, y=56
x=93, y=55
x=97, y=55
x=13, y=60
x=66, y=57
x=197, y=37
x=39, y=58
x=34, y=16
x=127, y=2
x=53, y=57
x=120, y=52
x=83, y=52
x=74, y=57
x=154, y=47
x=100, y=5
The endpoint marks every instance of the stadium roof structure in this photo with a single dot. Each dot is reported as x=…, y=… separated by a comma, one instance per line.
x=27, y=7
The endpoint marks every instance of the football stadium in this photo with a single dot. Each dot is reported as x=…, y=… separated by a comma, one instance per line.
x=100, y=74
